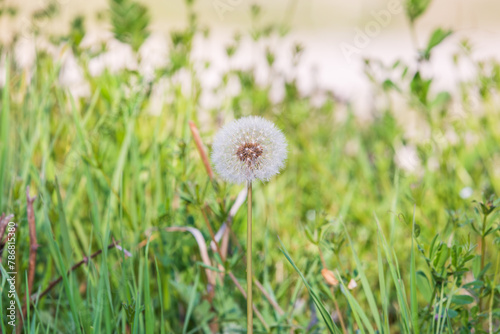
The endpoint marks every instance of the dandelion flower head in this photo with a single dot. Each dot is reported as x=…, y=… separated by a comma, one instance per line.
x=247, y=149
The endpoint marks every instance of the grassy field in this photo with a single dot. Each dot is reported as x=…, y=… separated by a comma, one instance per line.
x=380, y=226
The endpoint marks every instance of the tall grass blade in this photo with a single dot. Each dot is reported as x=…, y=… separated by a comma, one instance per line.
x=56, y=254
x=192, y=301
x=359, y=315
x=63, y=223
x=383, y=293
x=160, y=297
x=149, y=315
x=413, y=280
x=396, y=278
x=364, y=281
x=330, y=325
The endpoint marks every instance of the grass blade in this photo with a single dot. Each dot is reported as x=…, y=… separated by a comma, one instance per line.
x=192, y=301
x=364, y=281
x=413, y=280
x=158, y=281
x=56, y=254
x=359, y=315
x=332, y=328
x=147, y=295
x=396, y=278
x=383, y=293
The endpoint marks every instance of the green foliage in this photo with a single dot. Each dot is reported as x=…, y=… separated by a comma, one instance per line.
x=48, y=12
x=415, y=8
x=437, y=37
x=130, y=21
x=77, y=31
x=7, y=9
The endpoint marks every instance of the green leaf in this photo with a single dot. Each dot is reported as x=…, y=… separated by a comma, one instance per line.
x=462, y=299
x=442, y=256
x=441, y=100
x=424, y=286
x=438, y=36
x=476, y=266
x=485, y=269
x=415, y=8
x=452, y=313
x=474, y=285
x=130, y=21
x=420, y=87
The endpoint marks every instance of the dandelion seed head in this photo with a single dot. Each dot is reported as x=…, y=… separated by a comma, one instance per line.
x=247, y=149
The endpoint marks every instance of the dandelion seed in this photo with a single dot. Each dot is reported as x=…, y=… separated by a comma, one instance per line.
x=260, y=154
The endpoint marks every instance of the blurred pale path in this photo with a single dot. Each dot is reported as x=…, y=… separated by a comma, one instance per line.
x=315, y=14
x=322, y=27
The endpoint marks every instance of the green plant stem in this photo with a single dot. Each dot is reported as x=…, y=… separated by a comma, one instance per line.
x=483, y=244
x=430, y=310
x=249, y=260
x=483, y=251
x=490, y=318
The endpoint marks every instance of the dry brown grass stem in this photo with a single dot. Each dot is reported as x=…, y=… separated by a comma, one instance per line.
x=4, y=220
x=85, y=260
x=32, y=254
x=201, y=149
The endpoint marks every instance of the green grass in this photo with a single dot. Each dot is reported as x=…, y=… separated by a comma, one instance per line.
x=107, y=171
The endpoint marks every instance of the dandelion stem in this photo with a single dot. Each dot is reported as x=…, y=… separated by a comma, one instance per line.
x=249, y=260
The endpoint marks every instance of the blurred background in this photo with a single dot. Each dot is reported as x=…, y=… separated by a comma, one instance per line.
x=321, y=26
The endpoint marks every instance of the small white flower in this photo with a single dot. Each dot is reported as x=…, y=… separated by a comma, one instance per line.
x=25, y=53
x=247, y=149
x=154, y=54
x=118, y=56
x=71, y=76
x=466, y=192
x=406, y=158
x=352, y=284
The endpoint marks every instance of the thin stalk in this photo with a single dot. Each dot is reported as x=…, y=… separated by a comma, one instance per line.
x=483, y=253
x=483, y=244
x=249, y=260
x=490, y=318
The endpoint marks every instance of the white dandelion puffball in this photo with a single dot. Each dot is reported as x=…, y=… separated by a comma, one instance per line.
x=247, y=149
